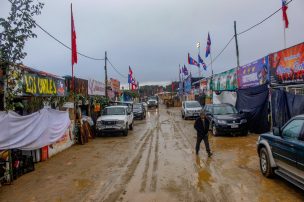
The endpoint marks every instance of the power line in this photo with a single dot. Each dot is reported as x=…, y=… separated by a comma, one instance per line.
x=116, y=70
x=53, y=37
x=257, y=24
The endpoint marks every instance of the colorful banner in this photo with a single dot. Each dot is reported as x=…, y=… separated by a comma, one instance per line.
x=187, y=84
x=225, y=81
x=96, y=88
x=115, y=85
x=43, y=86
x=253, y=74
x=81, y=86
x=287, y=66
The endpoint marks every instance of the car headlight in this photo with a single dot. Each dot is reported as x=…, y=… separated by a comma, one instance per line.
x=244, y=121
x=221, y=121
x=120, y=122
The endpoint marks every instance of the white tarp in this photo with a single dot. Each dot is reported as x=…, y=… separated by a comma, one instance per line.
x=33, y=131
x=225, y=97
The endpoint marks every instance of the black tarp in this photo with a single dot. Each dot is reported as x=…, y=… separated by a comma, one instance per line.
x=254, y=102
x=285, y=106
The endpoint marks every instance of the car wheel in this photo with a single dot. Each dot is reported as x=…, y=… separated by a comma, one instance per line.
x=183, y=116
x=131, y=126
x=125, y=133
x=265, y=166
x=214, y=130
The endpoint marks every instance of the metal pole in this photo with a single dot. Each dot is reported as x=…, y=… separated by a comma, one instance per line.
x=237, y=46
x=106, y=75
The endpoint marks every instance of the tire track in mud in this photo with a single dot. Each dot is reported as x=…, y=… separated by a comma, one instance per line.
x=114, y=186
x=155, y=164
x=147, y=165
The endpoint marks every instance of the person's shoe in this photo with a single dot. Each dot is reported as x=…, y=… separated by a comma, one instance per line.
x=209, y=154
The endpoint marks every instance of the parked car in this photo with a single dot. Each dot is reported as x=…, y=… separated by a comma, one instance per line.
x=191, y=109
x=115, y=119
x=145, y=105
x=139, y=111
x=281, y=152
x=152, y=103
x=225, y=119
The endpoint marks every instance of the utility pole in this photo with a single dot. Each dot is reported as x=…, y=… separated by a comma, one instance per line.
x=237, y=46
x=106, y=75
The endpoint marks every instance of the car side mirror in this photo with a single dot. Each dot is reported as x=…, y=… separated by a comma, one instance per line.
x=276, y=131
x=241, y=112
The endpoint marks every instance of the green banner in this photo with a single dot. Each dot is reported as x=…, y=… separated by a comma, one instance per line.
x=225, y=81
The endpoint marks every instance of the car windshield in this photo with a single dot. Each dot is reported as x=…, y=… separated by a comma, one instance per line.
x=192, y=104
x=137, y=106
x=114, y=111
x=222, y=110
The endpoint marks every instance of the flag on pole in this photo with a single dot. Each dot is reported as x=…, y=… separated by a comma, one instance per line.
x=130, y=76
x=201, y=61
x=191, y=61
x=74, y=47
x=284, y=10
x=185, y=70
x=208, y=47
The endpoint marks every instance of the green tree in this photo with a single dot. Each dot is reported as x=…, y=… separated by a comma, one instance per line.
x=17, y=28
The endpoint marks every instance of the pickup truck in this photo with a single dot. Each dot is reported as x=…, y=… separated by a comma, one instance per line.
x=115, y=119
x=281, y=152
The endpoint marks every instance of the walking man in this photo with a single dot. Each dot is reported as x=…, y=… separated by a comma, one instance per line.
x=201, y=125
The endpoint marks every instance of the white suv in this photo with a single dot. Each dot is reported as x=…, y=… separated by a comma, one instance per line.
x=191, y=109
x=115, y=119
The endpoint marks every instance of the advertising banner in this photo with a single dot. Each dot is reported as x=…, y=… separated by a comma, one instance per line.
x=96, y=88
x=253, y=74
x=115, y=85
x=287, y=66
x=188, y=85
x=225, y=81
x=43, y=86
x=81, y=86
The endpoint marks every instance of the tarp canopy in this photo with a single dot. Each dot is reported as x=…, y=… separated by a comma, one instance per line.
x=254, y=103
x=285, y=106
x=33, y=131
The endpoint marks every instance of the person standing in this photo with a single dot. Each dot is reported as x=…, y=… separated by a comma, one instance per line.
x=201, y=126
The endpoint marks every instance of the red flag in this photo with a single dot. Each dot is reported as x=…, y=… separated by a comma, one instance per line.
x=74, y=47
x=284, y=9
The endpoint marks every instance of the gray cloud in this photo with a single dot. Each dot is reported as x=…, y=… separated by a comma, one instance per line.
x=154, y=37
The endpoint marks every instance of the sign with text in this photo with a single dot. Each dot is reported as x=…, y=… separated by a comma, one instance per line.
x=287, y=66
x=253, y=74
x=43, y=86
x=115, y=85
x=96, y=88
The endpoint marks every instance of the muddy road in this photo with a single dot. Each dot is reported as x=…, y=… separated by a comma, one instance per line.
x=155, y=162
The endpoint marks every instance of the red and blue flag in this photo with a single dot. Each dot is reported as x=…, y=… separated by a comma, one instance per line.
x=208, y=47
x=191, y=61
x=201, y=61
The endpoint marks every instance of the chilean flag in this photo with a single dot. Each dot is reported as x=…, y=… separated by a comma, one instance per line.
x=284, y=10
x=191, y=61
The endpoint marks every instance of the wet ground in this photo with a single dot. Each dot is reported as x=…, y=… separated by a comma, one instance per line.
x=155, y=162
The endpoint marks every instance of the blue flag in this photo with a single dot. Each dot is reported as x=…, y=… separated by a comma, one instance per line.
x=208, y=47
x=200, y=60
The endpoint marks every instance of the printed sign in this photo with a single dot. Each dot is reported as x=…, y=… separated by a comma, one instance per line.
x=253, y=74
x=38, y=85
x=225, y=81
x=287, y=66
x=115, y=85
x=96, y=87
x=81, y=86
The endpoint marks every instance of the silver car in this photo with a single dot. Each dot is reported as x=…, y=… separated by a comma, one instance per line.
x=191, y=109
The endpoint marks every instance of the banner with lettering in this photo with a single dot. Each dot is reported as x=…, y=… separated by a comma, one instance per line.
x=96, y=88
x=225, y=81
x=115, y=85
x=287, y=66
x=36, y=85
x=253, y=74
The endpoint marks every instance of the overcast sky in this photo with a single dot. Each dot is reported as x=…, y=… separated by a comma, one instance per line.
x=155, y=36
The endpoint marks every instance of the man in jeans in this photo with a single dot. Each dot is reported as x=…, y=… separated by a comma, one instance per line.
x=201, y=125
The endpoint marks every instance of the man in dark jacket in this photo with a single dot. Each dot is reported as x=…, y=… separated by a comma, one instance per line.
x=201, y=125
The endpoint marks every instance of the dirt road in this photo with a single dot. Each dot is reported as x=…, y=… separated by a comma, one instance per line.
x=155, y=162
